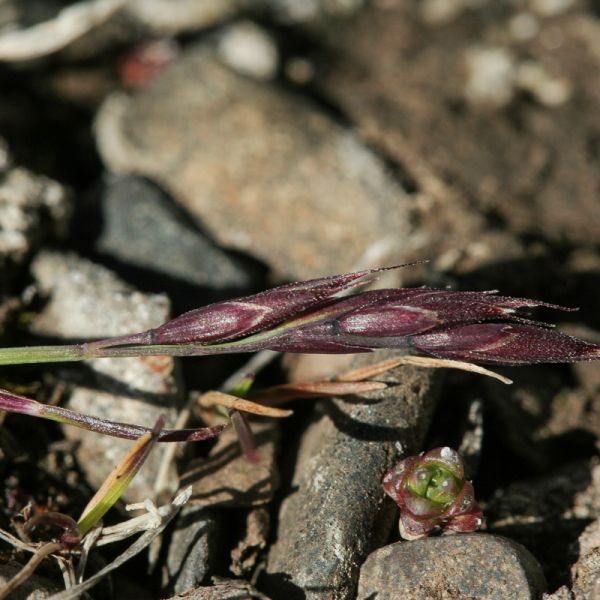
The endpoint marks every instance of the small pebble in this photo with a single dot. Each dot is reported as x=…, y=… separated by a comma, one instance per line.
x=193, y=549
x=551, y=8
x=439, y=12
x=481, y=566
x=249, y=50
x=490, y=77
x=547, y=90
x=523, y=27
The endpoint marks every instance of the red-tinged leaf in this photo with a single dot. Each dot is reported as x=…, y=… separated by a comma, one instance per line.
x=71, y=536
x=14, y=403
x=19, y=404
x=466, y=523
x=464, y=501
x=447, y=456
x=393, y=481
x=413, y=528
x=245, y=436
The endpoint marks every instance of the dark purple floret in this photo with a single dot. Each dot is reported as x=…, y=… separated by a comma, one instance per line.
x=505, y=343
x=232, y=319
x=408, y=312
x=310, y=317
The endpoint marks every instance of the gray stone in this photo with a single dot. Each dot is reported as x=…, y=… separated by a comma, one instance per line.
x=570, y=493
x=547, y=514
x=142, y=227
x=263, y=171
x=245, y=556
x=585, y=572
x=192, y=550
x=226, y=478
x=562, y=593
x=480, y=566
x=336, y=511
x=87, y=301
x=31, y=208
x=34, y=588
x=223, y=589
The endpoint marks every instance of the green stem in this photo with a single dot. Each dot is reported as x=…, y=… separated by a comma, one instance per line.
x=41, y=354
x=76, y=352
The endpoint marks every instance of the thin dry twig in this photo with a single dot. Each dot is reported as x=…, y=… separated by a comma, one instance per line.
x=27, y=571
x=146, y=522
x=16, y=542
x=162, y=483
x=418, y=361
x=89, y=541
x=50, y=36
x=214, y=398
x=319, y=389
x=65, y=564
x=142, y=542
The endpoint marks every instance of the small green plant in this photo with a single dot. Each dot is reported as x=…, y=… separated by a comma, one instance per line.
x=433, y=494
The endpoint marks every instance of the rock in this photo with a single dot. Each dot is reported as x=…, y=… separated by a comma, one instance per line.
x=249, y=50
x=195, y=543
x=31, y=208
x=490, y=76
x=548, y=90
x=224, y=589
x=562, y=593
x=88, y=301
x=585, y=573
x=34, y=588
x=290, y=11
x=551, y=8
x=529, y=415
x=458, y=566
x=176, y=16
x=169, y=17
x=245, y=556
x=141, y=227
x=227, y=478
x=439, y=12
x=335, y=512
x=264, y=175
x=547, y=514
x=570, y=492
x=8, y=306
